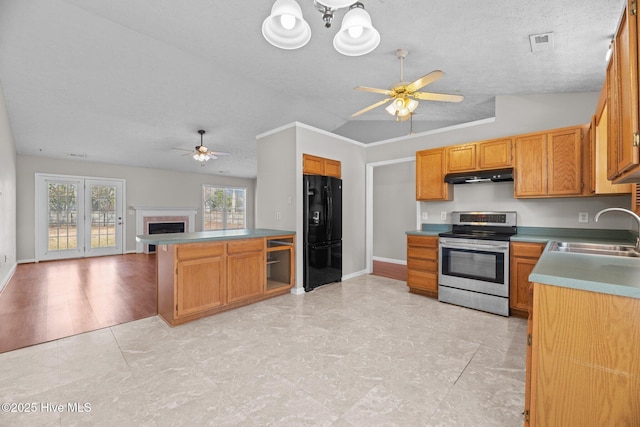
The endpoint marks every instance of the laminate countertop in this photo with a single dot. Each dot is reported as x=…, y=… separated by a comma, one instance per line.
x=210, y=236
x=595, y=273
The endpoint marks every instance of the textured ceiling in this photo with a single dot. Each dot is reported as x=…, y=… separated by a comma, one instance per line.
x=126, y=81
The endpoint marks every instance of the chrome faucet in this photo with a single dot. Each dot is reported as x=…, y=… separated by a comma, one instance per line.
x=633, y=214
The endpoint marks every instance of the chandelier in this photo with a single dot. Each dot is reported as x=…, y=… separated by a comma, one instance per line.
x=285, y=28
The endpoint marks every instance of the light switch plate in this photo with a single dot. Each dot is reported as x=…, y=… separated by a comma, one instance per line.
x=583, y=217
x=425, y=216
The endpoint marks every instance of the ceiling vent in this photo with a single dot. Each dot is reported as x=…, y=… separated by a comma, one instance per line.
x=541, y=42
x=77, y=155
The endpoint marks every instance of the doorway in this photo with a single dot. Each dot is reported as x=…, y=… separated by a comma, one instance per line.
x=78, y=217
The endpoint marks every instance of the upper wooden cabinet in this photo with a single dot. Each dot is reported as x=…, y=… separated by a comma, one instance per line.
x=550, y=164
x=430, y=171
x=598, y=159
x=314, y=165
x=622, y=100
x=484, y=155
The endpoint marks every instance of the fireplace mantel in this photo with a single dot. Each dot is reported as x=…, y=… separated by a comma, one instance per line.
x=166, y=214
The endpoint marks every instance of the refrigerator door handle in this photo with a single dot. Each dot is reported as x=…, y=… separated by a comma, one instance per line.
x=329, y=213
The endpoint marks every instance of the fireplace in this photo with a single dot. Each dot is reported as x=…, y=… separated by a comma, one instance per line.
x=164, y=228
x=151, y=220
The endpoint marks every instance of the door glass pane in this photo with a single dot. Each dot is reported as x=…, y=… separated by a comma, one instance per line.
x=63, y=216
x=103, y=216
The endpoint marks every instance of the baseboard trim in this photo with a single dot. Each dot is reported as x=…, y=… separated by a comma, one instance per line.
x=356, y=274
x=391, y=270
x=26, y=261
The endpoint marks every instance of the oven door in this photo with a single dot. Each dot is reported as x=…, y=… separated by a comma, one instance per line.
x=475, y=265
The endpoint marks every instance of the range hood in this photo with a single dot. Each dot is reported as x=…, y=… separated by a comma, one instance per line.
x=497, y=175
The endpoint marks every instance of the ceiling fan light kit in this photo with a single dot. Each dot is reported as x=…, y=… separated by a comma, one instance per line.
x=286, y=28
x=404, y=96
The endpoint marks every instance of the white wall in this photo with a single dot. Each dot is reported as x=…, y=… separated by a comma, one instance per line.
x=394, y=208
x=144, y=187
x=8, y=189
x=280, y=180
x=514, y=115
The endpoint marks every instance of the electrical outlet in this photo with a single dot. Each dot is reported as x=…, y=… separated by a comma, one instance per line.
x=583, y=217
x=425, y=216
x=443, y=216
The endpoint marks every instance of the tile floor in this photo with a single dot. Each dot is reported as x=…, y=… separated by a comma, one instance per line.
x=364, y=352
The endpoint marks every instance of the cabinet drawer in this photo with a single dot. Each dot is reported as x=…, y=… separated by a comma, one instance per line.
x=422, y=253
x=423, y=280
x=245, y=245
x=529, y=250
x=423, y=241
x=422, y=264
x=199, y=250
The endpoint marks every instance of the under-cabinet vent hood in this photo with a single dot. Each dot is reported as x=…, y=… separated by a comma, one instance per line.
x=498, y=175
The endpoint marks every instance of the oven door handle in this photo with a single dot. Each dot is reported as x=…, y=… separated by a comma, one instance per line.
x=475, y=246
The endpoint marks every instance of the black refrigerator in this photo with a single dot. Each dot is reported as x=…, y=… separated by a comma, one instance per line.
x=322, y=230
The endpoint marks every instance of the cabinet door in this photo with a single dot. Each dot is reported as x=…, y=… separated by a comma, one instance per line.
x=200, y=285
x=626, y=58
x=430, y=166
x=613, y=115
x=461, y=158
x=245, y=277
x=494, y=154
x=332, y=168
x=524, y=257
x=519, y=283
x=531, y=165
x=564, y=168
x=312, y=165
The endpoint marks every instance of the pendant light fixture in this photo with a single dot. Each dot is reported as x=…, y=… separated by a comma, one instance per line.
x=357, y=35
x=286, y=28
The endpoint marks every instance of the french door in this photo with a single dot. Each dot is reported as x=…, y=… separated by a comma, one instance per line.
x=78, y=217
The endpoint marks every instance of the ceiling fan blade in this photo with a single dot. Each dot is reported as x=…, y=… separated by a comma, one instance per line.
x=218, y=153
x=182, y=149
x=429, y=96
x=371, y=107
x=374, y=90
x=425, y=80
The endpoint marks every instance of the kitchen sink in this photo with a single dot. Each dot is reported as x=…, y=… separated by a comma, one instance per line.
x=595, y=249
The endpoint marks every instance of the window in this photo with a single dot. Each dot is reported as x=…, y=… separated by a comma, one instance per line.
x=223, y=207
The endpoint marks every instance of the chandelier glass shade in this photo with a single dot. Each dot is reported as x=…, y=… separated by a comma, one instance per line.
x=286, y=28
x=357, y=35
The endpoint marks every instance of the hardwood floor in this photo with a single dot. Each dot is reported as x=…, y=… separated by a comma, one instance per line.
x=55, y=299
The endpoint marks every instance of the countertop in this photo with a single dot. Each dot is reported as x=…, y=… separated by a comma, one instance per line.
x=596, y=273
x=209, y=236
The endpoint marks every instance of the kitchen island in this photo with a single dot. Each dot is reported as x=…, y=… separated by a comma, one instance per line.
x=206, y=272
x=583, y=366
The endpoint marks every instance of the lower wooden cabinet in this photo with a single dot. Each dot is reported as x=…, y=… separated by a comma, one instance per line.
x=583, y=367
x=245, y=269
x=524, y=257
x=200, y=285
x=200, y=279
x=422, y=264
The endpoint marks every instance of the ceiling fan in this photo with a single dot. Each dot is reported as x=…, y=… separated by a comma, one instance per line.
x=202, y=153
x=405, y=95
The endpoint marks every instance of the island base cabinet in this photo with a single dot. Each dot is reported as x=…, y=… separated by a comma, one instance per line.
x=201, y=279
x=584, y=366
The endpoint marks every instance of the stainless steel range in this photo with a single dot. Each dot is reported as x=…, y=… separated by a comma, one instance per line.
x=474, y=261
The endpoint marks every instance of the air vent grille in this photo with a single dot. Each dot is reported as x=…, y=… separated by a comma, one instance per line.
x=541, y=42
